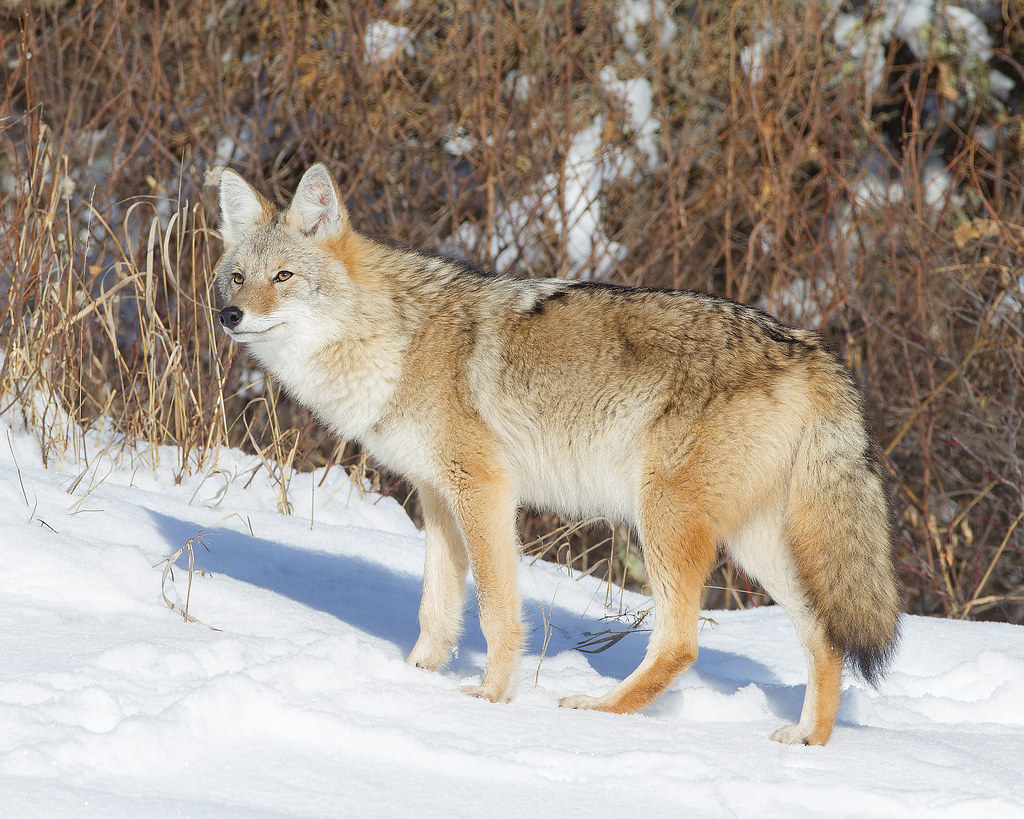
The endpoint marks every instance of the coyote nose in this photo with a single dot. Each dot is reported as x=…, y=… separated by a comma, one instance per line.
x=230, y=317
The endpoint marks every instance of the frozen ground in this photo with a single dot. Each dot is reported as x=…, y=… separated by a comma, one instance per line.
x=301, y=703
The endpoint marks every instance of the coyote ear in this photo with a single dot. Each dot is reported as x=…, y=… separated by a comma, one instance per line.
x=316, y=209
x=241, y=207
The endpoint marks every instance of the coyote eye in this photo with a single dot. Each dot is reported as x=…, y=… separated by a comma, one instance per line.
x=283, y=275
x=237, y=278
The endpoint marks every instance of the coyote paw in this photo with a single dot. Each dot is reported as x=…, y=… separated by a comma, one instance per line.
x=424, y=657
x=484, y=692
x=796, y=735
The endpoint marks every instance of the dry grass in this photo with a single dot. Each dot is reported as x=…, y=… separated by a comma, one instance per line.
x=777, y=192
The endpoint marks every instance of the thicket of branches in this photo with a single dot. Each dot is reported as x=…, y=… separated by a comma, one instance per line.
x=740, y=148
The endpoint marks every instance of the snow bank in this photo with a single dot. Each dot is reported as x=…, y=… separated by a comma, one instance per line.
x=300, y=703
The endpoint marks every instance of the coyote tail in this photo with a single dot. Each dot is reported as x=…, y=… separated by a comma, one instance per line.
x=840, y=531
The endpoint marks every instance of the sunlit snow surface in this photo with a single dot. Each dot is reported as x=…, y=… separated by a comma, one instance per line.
x=301, y=704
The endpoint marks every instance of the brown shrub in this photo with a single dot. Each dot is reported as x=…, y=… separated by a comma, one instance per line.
x=770, y=168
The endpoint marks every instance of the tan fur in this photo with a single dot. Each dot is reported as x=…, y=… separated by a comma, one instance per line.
x=696, y=420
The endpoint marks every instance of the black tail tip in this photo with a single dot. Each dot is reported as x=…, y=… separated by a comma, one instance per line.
x=872, y=661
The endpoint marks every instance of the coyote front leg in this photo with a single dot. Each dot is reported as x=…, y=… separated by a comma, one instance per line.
x=485, y=507
x=444, y=584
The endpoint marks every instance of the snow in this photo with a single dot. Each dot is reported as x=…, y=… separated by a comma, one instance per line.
x=753, y=56
x=571, y=202
x=631, y=16
x=383, y=41
x=638, y=98
x=864, y=45
x=292, y=697
x=914, y=22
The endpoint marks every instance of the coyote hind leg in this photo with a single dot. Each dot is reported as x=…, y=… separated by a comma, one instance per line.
x=679, y=551
x=824, y=686
x=764, y=554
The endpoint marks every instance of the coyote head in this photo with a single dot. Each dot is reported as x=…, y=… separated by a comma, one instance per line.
x=282, y=274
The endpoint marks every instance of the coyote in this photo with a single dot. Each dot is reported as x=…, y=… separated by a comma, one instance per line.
x=696, y=420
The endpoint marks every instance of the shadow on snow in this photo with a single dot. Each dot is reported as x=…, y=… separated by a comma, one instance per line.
x=385, y=603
